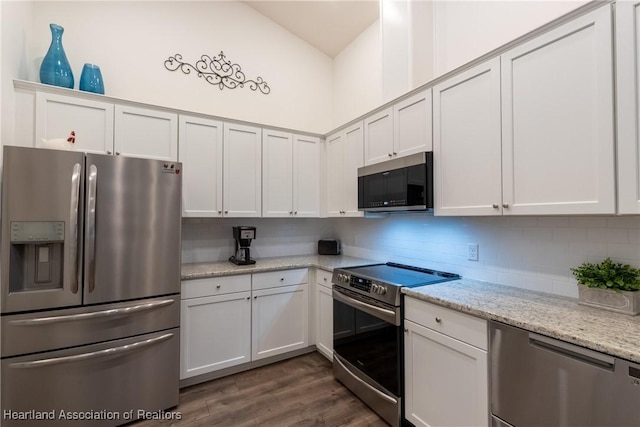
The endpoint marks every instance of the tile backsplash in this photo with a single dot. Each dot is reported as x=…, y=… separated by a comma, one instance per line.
x=527, y=252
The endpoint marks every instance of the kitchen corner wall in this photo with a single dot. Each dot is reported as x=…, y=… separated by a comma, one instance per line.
x=206, y=239
x=526, y=252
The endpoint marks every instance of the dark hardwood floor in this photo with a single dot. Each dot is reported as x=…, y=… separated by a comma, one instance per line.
x=296, y=392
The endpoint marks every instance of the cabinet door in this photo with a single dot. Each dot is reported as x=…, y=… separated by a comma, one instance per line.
x=378, y=137
x=242, y=195
x=306, y=176
x=280, y=321
x=628, y=112
x=557, y=120
x=142, y=132
x=201, y=157
x=215, y=333
x=324, y=320
x=336, y=174
x=467, y=142
x=412, y=121
x=446, y=380
x=92, y=122
x=354, y=141
x=277, y=174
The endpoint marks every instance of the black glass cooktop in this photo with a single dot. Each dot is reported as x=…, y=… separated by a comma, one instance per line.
x=401, y=275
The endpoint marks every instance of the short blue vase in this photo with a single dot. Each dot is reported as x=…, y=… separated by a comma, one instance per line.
x=55, y=69
x=91, y=79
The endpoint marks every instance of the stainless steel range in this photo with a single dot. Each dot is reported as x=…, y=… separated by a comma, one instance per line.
x=367, y=331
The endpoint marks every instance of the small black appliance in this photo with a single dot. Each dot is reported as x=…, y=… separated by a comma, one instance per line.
x=243, y=235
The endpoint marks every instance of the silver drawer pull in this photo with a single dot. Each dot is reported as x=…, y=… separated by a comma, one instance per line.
x=115, y=312
x=438, y=320
x=115, y=351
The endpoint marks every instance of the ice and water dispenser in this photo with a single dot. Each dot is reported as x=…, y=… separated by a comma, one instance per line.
x=36, y=256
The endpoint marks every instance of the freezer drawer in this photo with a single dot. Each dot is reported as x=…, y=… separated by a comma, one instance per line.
x=539, y=381
x=54, y=329
x=101, y=381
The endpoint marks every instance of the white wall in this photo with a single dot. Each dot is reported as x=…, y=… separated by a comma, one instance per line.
x=15, y=28
x=526, y=252
x=131, y=40
x=467, y=29
x=357, y=77
x=212, y=239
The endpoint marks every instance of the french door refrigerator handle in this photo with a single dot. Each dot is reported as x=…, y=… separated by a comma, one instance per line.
x=91, y=227
x=112, y=352
x=114, y=312
x=75, y=200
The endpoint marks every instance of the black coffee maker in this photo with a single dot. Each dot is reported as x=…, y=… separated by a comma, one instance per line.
x=243, y=235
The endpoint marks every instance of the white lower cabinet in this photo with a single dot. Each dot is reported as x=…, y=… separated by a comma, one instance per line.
x=446, y=375
x=280, y=320
x=323, y=304
x=215, y=331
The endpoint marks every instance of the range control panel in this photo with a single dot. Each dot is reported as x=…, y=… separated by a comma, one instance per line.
x=363, y=285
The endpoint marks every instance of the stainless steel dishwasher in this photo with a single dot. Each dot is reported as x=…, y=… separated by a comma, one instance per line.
x=537, y=381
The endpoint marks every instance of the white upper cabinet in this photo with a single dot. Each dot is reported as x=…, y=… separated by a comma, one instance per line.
x=378, y=136
x=277, y=173
x=467, y=143
x=400, y=130
x=557, y=120
x=147, y=133
x=201, y=157
x=412, y=125
x=291, y=175
x=92, y=121
x=242, y=194
x=344, y=157
x=306, y=176
x=628, y=112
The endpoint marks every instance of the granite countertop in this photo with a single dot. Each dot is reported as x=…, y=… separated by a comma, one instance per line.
x=554, y=316
x=225, y=268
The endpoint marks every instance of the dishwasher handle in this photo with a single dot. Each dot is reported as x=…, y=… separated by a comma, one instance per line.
x=573, y=351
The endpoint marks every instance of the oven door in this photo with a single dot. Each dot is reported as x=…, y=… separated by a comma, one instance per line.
x=368, y=338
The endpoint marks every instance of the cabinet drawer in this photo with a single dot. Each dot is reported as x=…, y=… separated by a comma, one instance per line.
x=215, y=286
x=323, y=277
x=466, y=328
x=274, y=279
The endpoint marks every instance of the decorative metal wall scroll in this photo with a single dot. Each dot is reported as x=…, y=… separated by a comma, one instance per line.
x=217, y=71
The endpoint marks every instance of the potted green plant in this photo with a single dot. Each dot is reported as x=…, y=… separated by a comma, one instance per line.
x=610, y=285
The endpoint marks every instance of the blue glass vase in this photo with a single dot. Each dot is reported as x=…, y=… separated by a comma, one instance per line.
x=55, y=69
x=91, y=79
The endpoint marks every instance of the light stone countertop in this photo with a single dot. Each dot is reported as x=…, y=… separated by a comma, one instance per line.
x=226, y=268
x=554, y=316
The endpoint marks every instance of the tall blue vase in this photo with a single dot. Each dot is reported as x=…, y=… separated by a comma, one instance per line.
x=55, y=69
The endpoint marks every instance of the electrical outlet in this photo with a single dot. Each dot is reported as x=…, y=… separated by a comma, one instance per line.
x=472, y=251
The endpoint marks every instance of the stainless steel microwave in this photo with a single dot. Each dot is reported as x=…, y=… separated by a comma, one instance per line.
x=402, y=184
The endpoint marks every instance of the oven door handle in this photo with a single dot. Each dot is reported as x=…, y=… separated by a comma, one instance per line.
x=389, y=316
x=365, y=384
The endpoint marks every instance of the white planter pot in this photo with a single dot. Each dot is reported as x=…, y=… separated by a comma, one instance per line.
x=622, y=302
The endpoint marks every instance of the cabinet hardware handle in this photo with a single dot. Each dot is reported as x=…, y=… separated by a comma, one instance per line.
x=406, y=330
x=226, y=212
x=290, y=212
x=395, y=154
x=495, y=206
x=108, y=152
x=282, y=279
x=117, y=153
x=438, y=320
x=390, y=155
x=255, y=297
x=295, y=213
x=505, y=205
x=217, y=286
x=248, y=298
x=324, y=278
x=219, y=212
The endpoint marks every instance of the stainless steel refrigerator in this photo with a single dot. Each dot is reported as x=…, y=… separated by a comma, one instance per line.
x=90, y=278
